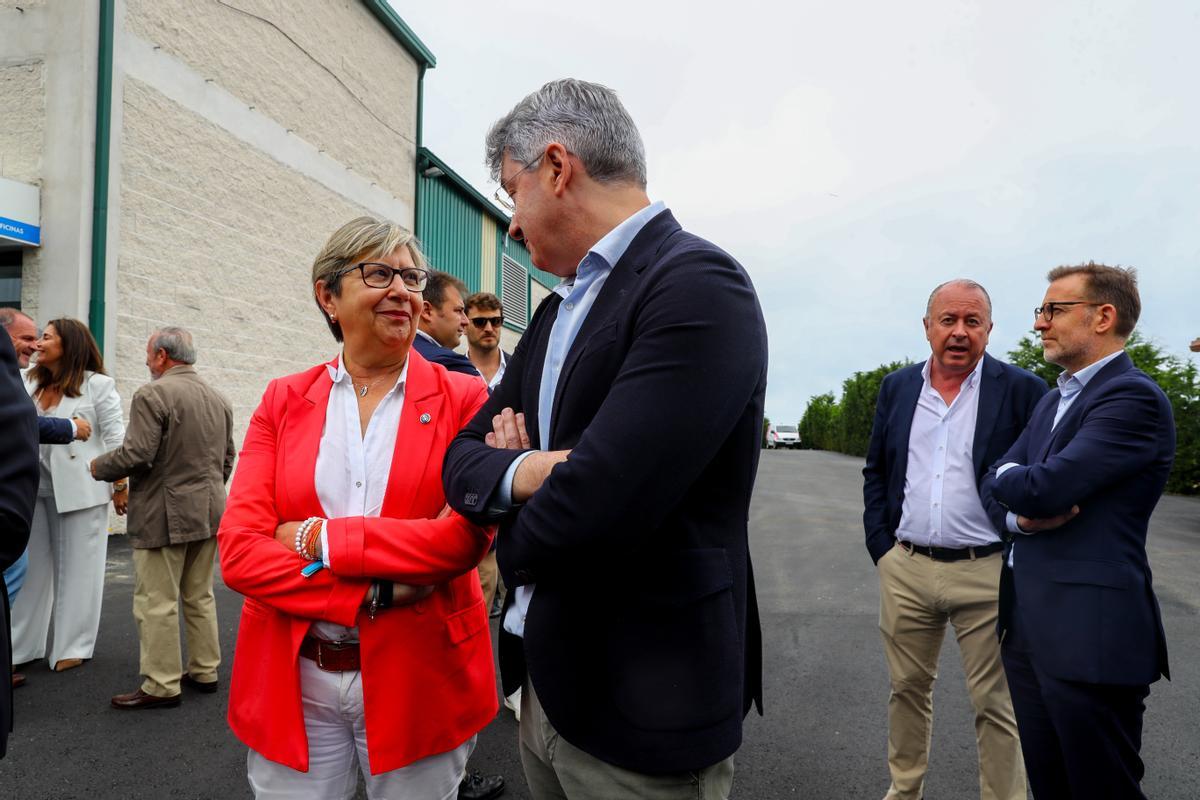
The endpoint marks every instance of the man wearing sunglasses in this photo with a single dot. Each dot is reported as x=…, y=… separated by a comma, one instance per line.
x=1082, y=635
x=485, y=316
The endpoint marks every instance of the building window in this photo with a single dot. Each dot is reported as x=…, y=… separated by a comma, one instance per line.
x=514, y=291
x=10, y=278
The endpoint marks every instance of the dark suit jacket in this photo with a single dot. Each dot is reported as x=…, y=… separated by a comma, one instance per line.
x=55, y=430
x=18, y=489
x=1087, y=606
x=1007, y=397
x=642, y=639
x=455, y=362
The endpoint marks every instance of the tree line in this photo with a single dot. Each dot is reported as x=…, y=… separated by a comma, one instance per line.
x=844, y=425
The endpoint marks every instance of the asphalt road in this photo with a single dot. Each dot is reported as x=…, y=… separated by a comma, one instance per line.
x=823, y=735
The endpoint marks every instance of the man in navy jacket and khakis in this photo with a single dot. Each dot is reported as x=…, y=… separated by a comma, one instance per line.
x=1082, y=632
x=937, y=545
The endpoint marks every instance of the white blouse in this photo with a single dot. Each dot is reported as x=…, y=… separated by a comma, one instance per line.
x=352, y=467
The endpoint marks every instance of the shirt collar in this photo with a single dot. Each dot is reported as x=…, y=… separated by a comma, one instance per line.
x=605, y=254
x=971, y=380
x=1087, y=373
x=427, y=337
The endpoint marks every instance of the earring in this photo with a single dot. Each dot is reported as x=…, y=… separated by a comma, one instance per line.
x=333, y=317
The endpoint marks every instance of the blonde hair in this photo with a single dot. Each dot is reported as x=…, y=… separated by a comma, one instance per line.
x=360, y=239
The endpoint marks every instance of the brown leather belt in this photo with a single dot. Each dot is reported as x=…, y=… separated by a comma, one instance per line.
x=331, y=656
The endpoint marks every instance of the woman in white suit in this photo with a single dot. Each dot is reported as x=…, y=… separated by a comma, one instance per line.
x=69, y=540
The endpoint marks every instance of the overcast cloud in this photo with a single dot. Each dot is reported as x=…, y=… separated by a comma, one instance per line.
x=853, y=155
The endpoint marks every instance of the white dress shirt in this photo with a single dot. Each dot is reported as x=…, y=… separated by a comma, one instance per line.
x=941, y=499
x=352, y=467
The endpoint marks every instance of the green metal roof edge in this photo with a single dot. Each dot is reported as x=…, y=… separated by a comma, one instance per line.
x=426, y=158
x=400, y=30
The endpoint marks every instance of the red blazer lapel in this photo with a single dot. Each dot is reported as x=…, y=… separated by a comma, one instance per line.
x=420, y=421
x=299, y=441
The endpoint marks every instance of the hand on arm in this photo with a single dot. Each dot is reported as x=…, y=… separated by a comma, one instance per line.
x=508, y=433
x=83, y=428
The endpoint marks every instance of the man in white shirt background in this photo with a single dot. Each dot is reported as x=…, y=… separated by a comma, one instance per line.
x=938, y=426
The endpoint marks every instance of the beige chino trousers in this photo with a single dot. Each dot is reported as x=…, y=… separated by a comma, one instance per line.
x=166, y=577
x=917, y=597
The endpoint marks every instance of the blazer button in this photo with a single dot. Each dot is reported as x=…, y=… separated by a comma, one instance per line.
x=72, y=456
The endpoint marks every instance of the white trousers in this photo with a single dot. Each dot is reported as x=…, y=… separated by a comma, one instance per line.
x=65, y=580
x=337, y=751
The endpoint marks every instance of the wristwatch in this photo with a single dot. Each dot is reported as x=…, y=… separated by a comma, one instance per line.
x=120, y=486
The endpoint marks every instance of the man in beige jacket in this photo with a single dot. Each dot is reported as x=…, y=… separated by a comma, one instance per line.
x=178, y=453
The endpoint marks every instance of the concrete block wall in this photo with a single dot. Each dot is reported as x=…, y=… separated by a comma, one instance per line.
x=219, y=238
x=248, y=132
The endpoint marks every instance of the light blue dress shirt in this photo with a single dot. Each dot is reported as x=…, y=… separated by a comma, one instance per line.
x=578, y=293
x=1069, y=388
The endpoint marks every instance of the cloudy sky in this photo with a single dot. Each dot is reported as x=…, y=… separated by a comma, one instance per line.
x=853, y=155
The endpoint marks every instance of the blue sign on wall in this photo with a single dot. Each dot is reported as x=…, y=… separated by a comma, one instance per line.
x=20, y=217
x=21, y=232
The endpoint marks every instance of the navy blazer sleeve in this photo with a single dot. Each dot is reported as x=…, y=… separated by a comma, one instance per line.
x=19, y=466
x=880, y=537
x=55, y=430
x=1117, y=438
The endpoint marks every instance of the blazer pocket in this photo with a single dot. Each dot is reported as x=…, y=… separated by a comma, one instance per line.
x=462, y=625
x=1092, y=573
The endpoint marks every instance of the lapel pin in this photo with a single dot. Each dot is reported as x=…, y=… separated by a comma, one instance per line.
x=425, y=419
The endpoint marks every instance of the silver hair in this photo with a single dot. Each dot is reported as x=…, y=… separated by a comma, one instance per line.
x=176, y=343
x=966, y=283
x=9, y=315
x=586, y=118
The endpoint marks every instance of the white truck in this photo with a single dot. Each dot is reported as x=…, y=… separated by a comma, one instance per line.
x=782, y=436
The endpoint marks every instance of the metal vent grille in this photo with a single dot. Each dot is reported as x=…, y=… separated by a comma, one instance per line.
x=514, y=291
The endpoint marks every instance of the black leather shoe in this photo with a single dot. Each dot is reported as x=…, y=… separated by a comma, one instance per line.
x=477, y=787
x=200, y=686
x=134, y=701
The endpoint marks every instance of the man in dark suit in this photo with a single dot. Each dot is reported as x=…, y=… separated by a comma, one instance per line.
x=1082, y=633
x=938, y=425
x=24, y=334
x=443, y=319
x=18, y=488
x=621, y=447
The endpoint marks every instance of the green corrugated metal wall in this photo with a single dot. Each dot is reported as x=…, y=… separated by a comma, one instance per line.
x=451, y=229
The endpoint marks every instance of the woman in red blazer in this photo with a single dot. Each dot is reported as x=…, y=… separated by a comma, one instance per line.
x=363, y=638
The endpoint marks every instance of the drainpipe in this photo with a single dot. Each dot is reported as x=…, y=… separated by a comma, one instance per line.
x=96, y=314
x=417, y=162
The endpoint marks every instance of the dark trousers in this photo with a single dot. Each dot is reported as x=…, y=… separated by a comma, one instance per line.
x=1079, y=740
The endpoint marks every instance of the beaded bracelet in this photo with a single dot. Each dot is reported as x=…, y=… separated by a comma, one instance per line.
x=302, y=533
x=310, y=540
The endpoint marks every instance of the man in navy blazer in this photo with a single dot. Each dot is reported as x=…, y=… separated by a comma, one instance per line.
x=443, y=319
x=1082, y=633
x=938, y=425
x=18, y=488
x=631, y=412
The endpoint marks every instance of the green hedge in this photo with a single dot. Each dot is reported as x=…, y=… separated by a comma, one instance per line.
x=845, y=426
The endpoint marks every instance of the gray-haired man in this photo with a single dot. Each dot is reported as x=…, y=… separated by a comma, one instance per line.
x=642, y=695
x=178, y=453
